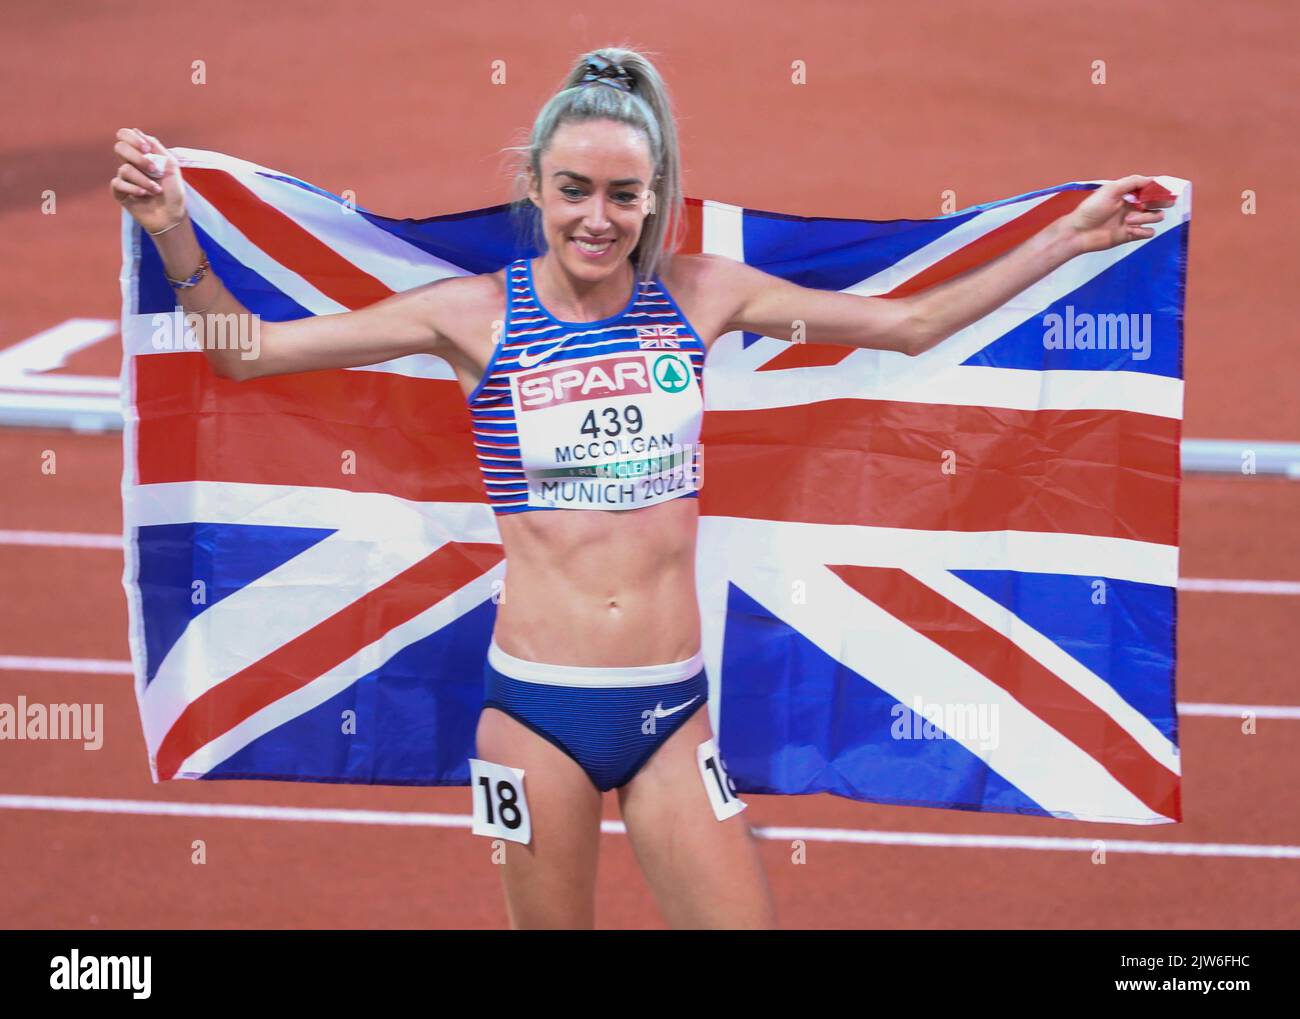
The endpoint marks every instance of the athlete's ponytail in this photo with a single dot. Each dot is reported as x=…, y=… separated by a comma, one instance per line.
x=646, y=107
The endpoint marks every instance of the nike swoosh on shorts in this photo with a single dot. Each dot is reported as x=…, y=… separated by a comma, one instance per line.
x=661, y=713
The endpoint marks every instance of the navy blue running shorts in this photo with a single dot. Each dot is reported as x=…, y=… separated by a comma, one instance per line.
x=609, y=720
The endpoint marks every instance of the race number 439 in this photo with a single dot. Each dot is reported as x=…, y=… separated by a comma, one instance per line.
x=500, y=807
x=717, y=783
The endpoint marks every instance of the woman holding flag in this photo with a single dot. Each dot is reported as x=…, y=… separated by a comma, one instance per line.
x=583, y=373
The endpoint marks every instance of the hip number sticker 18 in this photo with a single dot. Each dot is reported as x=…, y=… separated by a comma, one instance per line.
x=717, y=783
x=500, y=807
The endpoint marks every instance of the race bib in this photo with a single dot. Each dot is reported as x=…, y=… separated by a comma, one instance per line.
x=500, y=807
x=717, y=783
x=617, y=431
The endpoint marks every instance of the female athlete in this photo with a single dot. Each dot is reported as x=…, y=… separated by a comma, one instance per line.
x=582, y=372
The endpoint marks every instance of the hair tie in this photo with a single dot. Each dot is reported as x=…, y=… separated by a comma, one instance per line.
x=605, y=72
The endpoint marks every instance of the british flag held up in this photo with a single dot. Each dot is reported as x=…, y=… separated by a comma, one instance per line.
x=946, y=580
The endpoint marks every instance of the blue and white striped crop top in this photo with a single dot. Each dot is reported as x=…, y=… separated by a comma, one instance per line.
x=590, y=415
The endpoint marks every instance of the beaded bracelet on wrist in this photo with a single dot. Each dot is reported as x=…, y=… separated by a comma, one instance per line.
x=194, y=278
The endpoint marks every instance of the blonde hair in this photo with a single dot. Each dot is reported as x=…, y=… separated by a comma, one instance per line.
x=647, y=108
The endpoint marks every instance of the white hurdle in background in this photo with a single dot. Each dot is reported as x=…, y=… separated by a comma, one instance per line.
x=29, y=397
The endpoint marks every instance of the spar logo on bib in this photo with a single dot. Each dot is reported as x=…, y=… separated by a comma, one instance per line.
x=671, y=373
x=599, y=378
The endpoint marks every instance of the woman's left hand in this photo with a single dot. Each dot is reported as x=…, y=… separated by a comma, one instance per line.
x=1105, y=220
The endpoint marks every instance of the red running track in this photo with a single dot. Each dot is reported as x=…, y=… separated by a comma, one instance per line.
x=901, y=104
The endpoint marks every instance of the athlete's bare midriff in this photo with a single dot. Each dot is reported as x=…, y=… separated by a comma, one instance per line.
x=593, y=587
x=601, y=587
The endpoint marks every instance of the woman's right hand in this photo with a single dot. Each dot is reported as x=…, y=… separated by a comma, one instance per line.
x=148, y=188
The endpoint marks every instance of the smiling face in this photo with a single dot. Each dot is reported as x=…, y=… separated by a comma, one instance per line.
x=594, y=195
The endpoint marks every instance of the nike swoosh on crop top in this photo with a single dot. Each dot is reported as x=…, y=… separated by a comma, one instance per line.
x=590, y=415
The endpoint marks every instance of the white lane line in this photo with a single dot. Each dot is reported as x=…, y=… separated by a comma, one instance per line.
x=236, y=811
x=1237, y=710
x=60, y=539
x=28, y=663
x=253, y=812
x=1239, y=586
x=1035, y=842
x=22, y=363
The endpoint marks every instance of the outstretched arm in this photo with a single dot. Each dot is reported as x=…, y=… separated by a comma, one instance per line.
x=759, y=302
x=148, y=185
x=767, y=304
x=1102, y=220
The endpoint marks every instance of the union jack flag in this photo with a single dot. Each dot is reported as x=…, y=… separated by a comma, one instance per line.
x=946, y=580
x=658, y=336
